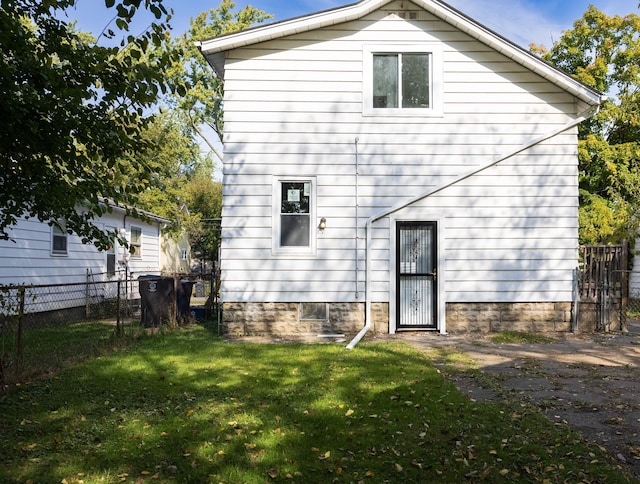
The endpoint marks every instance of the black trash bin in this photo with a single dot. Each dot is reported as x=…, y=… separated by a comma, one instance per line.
x=157, y=300
x=183, y=301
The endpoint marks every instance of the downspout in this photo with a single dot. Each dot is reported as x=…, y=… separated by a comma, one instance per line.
x=584, y=115
x=356, y=225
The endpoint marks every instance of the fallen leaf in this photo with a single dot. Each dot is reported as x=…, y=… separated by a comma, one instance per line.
x=349, y=413
x=398, y=468
x=273, y=473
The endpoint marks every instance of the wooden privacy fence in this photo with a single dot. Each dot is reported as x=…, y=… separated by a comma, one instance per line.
x=603, y=285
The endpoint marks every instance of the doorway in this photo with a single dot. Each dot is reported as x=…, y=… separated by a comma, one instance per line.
x=416, y=276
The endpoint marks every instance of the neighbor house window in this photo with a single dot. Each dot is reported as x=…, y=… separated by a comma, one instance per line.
x=59, y=239
x=403, y=80
x=135, y=244
x=111, y=252
x=185, y=254
x=294, y=215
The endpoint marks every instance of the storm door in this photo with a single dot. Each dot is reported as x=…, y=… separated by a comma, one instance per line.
x=416, y=275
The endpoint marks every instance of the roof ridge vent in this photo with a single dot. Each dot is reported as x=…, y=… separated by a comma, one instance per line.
x=407, y=14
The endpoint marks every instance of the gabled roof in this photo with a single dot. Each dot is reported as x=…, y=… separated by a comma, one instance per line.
x=124, y=209
x=214, y=49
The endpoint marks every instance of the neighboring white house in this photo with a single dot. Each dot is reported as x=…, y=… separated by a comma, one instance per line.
x=395, y=165
x=42, y=254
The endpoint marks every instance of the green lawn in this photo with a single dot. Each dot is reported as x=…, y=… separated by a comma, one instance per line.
x=187, y=407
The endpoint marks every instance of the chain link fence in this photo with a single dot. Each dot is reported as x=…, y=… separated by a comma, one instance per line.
x=44, y=327
x=632, y=303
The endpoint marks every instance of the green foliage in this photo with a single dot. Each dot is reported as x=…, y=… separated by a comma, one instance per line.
x=204, y=197
x=604, y=53
x=202, y=101
x=72, y=112
x=182, y=407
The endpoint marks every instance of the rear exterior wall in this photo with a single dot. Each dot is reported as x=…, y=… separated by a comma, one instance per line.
x=294, y=107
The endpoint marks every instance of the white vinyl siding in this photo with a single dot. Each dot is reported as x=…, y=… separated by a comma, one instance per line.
x=295, y=105
x=27, y=259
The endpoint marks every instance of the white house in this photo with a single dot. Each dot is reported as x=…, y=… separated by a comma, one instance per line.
x=41, y=254
x=394, y=165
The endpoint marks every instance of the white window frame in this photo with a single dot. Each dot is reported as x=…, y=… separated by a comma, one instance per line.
x=112, y=253
x=135, y=255
x=61, y=232
x=277, y=249
x=435, y=82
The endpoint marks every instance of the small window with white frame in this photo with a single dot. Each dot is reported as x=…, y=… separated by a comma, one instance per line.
x=403, y=80
x=59, y=241
x=135, y=244
x=294, y=215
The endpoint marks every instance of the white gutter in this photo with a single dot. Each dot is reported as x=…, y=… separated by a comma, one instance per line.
x=584, y=115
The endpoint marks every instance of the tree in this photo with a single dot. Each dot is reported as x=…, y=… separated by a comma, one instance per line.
x=202, y=101
x=72, y=113
x=604, y=53
x=204, y=199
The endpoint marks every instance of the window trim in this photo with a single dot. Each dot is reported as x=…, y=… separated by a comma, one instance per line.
x=111, y=253
x=276, y=248
x=62, y=233
x=132, y=245
x=435, y=84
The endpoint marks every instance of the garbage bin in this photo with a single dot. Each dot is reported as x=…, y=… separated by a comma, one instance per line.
x=157, y=300
x=183, y=300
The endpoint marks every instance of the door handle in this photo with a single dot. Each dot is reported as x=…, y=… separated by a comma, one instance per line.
x=434, y=274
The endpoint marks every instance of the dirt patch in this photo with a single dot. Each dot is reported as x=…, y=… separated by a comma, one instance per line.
x=590, y=382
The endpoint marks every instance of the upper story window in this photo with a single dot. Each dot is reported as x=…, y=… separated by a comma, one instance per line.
x=294, y=215
x=135, y=244
x=59, y=239
x=403, y=80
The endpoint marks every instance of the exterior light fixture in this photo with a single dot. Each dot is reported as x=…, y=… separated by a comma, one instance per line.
x=323, y=223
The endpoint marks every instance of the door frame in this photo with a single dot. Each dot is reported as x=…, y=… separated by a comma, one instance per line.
x=440, y=266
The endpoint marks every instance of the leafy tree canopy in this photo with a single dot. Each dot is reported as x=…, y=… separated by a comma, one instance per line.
x=202, y=102
x=72, y=112
x=604, y=53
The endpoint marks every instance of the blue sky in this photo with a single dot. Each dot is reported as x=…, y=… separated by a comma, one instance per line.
x=521, y=21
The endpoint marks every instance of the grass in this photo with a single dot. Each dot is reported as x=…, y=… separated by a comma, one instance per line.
x=187, y=407
x=49, y=349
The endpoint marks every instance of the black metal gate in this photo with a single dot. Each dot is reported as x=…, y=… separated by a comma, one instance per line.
x=416, y=275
